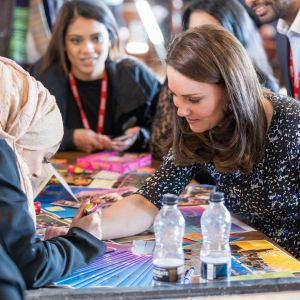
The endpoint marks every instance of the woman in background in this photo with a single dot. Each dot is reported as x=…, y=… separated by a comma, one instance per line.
x=105, y=104
x=234, y=18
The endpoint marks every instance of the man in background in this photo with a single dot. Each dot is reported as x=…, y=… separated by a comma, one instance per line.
x=287, y=12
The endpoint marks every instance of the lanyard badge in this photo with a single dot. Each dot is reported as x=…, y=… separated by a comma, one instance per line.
x=102, y=106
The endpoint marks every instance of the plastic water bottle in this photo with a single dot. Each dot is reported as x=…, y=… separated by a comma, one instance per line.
x=215, y=254
x=168, y=256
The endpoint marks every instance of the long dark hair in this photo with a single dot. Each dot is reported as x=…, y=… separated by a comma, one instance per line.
x=211, y=54
x=234, y=17
x=89, y=9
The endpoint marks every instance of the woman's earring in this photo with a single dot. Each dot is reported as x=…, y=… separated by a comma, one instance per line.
x=229, y=107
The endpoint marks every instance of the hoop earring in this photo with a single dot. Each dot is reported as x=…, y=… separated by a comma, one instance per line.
x=229, y=107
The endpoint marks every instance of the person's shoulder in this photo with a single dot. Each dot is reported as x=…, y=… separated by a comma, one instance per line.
x=128, y=61
x=10, y=67
x=286, y=109
x=53, y=78
x=283, y=102
x=35, y=69
x=128, y=69
x=132, y=64
x=53, y=69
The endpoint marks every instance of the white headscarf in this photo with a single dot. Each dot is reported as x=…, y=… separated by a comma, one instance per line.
x=29, y=118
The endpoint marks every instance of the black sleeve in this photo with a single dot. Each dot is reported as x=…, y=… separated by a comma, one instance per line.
x=153, y=87
x=169, y=178
x=40, y=262
x=150, y=87
x=11, y=281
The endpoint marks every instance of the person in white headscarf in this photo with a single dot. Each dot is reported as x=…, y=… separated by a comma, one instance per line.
x=30, y=131
x=31, y=124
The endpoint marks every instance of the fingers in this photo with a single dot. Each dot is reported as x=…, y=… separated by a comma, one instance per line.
x=88, y=149
x=125, y=137
x=86, y=140
x=90, y=223
x=97, y=232
x=89, y=141
x=124, y=142
x=79, y=213
x=116, y=146
x=53, y=231
x=105, y=142
x=133, y=130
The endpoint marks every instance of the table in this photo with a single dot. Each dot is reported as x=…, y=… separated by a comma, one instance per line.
x=285, y=287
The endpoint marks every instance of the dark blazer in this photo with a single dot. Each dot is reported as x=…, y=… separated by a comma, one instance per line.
x=11, y=281
x=283, y=54
x=132, y=96
x=40, y=262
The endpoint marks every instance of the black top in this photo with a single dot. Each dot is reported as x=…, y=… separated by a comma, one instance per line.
x=267, y=198
x=89, y=92
x=131, y=100
x=40, y=262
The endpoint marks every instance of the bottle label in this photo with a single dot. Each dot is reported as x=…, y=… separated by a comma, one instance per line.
x=165, y=274
x=214, y=271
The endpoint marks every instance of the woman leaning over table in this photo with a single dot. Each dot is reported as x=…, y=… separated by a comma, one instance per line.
x=31, y=129
x=246, y=137
x=106, y=104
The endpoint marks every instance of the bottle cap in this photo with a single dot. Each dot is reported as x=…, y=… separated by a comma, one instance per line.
x=170, y=199
x=216, y=197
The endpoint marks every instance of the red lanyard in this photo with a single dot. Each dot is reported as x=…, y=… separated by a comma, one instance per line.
x=295, y=79
x=102, y=106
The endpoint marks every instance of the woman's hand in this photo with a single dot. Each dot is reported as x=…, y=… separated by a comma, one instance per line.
x=90, y=223
x=54, y=231
x=89, y=141
x=105, y=142
x=86, y=140
x=125, y=141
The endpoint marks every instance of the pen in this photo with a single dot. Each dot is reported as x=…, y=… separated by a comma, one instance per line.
x=188, y=275
x=89, y=208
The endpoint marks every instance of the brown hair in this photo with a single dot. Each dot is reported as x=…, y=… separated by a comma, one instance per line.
x=89, y=9
x=233, y=16
x=211, y=54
